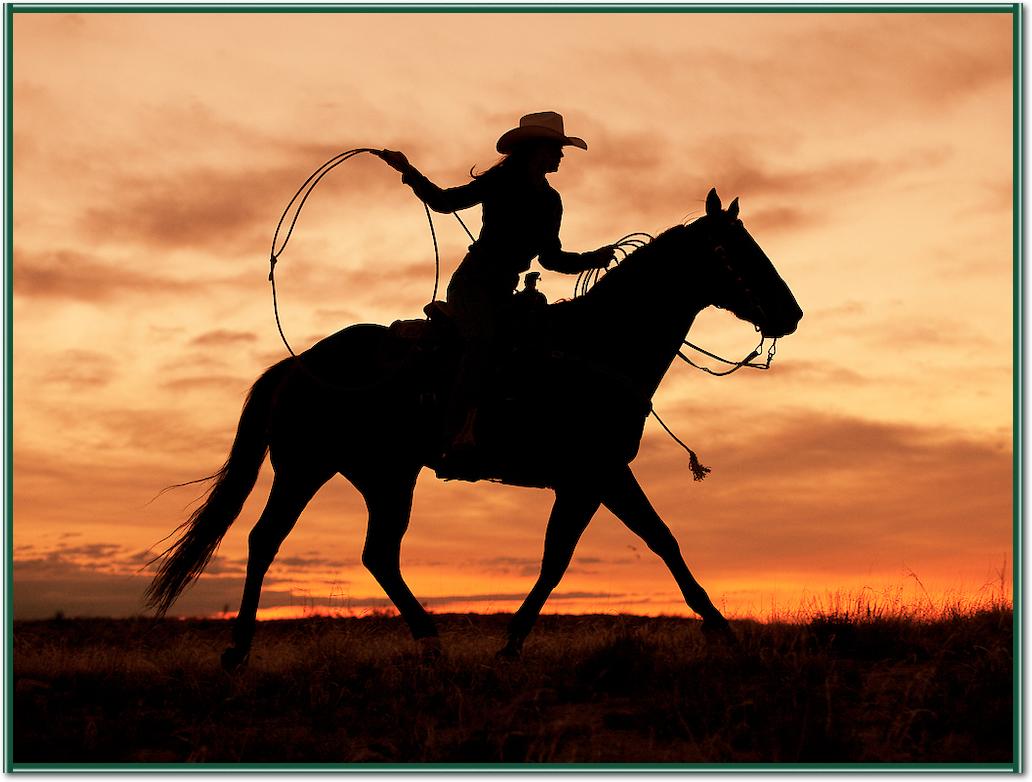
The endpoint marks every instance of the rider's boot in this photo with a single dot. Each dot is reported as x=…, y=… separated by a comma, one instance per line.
x=459, y=461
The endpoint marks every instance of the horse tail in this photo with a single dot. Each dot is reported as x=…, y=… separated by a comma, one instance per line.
x=184, y=561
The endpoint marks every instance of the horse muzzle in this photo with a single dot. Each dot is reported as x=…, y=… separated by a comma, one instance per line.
x=783, y=325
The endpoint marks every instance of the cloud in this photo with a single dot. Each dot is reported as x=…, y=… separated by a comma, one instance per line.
x=903, y=65
x=102, y=551
x=781, y=218
x=902, y=332
x=47, y=585
x=193, y=362
x=82, y=485
x=739, y=172
x=933, y=56
x=223, y=337
x=107, y=579
x=167, y=430
x=81, y=370
x=66, y=274
x=43, y=588
x=847, y=309
x=768, y=103
x=822, y=373
x=203, y=208
x=203, y=179
x=777, y=193
x=207, y=383
x=531, y=566
x=223, y=209
x=310, y=562
x=491, y=597
x=363, y=287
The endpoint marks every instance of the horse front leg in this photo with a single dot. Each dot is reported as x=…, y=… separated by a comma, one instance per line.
x=624, y=496
x=572, y=511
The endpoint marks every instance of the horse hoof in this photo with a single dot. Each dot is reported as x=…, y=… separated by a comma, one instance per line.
x=233, y=659
x=719, y=631
x=430, y=649
x=508, y=653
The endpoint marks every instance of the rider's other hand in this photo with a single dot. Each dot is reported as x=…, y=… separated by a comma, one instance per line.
x=605, y=255
x=395, y=160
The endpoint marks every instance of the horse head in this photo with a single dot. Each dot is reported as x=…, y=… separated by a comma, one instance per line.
x=744, y=281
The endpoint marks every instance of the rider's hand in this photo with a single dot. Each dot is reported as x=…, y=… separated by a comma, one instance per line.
x=604, y=256
x=395, y=160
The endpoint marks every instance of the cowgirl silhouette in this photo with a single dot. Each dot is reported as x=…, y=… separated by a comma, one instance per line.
x=521, y=217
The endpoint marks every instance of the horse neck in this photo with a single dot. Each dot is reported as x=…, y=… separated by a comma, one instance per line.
x=644, y=309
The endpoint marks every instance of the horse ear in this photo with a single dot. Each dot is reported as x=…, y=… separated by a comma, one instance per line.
x=732, y=211
x=712, y=202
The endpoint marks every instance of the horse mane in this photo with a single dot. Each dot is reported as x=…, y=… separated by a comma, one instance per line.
x=629, y=265
x=624, y=274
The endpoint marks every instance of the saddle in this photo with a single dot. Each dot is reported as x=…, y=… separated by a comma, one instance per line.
x=534, y=394
x=438, y=325
x=523, y=328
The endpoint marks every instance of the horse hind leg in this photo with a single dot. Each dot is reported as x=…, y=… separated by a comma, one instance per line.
x=388, y=495
x=291, y=492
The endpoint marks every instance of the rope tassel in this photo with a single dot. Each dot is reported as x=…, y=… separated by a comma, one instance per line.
x=699, y=470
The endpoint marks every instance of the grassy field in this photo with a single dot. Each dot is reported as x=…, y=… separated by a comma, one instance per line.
x=591, y=689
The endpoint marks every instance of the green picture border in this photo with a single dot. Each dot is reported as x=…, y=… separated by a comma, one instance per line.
x=1014, y=9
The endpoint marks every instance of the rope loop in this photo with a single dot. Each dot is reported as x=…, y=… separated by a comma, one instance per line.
x=297, y=203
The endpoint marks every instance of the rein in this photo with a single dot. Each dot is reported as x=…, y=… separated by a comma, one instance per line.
x=735, y=365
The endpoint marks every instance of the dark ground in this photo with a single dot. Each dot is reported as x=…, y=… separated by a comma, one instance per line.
x=593, y=689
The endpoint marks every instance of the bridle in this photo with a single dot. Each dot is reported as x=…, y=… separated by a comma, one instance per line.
x=719, y=251
x=735, y=365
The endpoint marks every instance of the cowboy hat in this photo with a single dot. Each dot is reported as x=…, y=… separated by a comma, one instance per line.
x=543, y=125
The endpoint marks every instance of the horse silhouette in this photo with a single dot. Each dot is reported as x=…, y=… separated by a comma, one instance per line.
x=572, y=420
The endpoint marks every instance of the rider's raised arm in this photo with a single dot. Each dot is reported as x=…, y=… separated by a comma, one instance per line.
x=439, y=199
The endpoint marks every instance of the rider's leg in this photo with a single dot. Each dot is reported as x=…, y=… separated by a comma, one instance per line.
x=475, y=311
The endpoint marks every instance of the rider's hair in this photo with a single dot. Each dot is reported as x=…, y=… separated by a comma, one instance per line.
x=517, y=157
x=500, y=163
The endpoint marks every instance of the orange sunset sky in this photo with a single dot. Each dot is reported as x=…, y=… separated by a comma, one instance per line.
x=872, y=153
